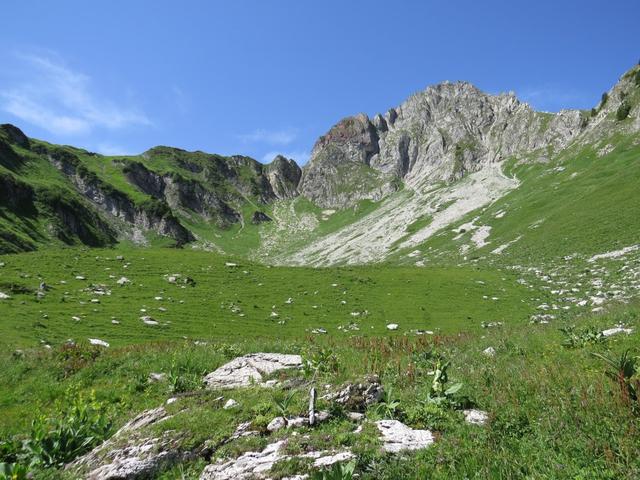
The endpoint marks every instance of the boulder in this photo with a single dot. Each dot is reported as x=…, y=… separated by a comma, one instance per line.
x=130, y=455
x=250, y=369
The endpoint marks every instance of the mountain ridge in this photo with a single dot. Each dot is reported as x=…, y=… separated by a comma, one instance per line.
x=433, y=142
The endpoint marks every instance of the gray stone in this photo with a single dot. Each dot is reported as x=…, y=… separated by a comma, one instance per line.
x=129, y=455
x=397, y=437
x=250, y=369
x=276, y=424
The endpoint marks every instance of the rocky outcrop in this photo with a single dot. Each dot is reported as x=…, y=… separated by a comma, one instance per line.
x=339, y=172
x=148, y=216
x=256, y=465
x=284, y=177
x=259, y=217
x=182, y=194
x=129, y=454
x=440, y=134
x=250, y=370
x=358, y=395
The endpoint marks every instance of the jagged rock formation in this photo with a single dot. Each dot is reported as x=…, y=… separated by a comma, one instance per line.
x=440, y=134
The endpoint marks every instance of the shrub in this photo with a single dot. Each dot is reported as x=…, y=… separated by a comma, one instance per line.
x=603, y=99
x=625, y=371
x=574, y=338
x=54, y=441
x=637, y=78
x=10, y=471
x=623, y=111
x=339, y=471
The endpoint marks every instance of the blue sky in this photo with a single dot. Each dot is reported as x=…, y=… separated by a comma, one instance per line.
x=264, y=77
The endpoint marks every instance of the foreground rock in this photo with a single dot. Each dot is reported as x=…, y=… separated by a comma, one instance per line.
x=250, y=370
x=128, y=454
x=397, y=437
x=256, y=465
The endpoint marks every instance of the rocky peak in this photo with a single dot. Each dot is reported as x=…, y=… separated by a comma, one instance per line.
x=439, y=134
x=284, y=177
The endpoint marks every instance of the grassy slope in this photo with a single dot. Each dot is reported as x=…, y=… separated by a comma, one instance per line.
x=554, y=414
x=415, y=299
x=581, y=203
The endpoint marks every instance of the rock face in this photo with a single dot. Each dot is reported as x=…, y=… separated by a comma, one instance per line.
x=129, y=455
x=397, y=437
x=284, y=177
x=250, y=370
x=439, y=134
x=153, y=216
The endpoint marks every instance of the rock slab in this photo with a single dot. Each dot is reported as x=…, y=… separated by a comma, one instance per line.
x=397, y=437
x=250, y=369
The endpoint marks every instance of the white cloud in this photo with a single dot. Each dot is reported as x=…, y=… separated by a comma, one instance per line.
x=60, y=100
x=301, y=157
x=271, y=137
x=110, y=149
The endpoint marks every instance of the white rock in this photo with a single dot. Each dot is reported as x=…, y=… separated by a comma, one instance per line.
x=392, y=326
x=97, y=341
x=255, y=465
x=123, y=281
x=4, y=296
x=147, y=320
x=276, y=424
x=157, y=377
x=397, y=437
x=80, y=277
x=231, y=403
x=243, y=371
x=475, y=417
x=489, y=352
x=230, y=264
x=616, y=330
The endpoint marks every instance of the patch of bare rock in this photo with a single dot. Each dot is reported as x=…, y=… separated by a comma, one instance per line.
x=250, y=370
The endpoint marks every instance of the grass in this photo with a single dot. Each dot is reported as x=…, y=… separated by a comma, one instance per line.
x=554, y=413
x=233, y=302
